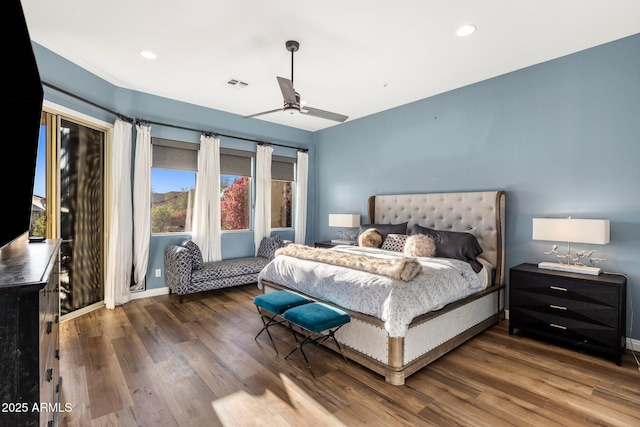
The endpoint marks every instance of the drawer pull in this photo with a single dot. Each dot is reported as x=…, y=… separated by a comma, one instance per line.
x=558, y=307
x=49, y=327
x=49, y=374
x=558, y=288
x=553, y=325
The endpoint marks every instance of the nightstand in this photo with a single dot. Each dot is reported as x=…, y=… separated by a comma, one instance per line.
x=578, y=310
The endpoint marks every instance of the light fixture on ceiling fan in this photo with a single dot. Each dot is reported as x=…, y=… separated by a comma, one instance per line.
x=292, y=105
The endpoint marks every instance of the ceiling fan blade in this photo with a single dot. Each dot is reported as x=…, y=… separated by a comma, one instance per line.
x=323, y=114
x=263, y=113
x=288, y=93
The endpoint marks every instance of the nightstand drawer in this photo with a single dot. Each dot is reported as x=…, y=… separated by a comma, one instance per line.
x=572, y=331
x=562, y=287
x=586, y=311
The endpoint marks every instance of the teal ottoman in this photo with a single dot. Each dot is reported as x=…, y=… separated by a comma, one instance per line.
x=276, y=302
x=319, y=322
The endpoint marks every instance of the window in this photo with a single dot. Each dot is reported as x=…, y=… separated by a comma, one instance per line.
x=282, y=184
x=235, y=189
x=173, y=183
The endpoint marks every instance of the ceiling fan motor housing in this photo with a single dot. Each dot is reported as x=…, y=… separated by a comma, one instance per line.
x=292, y=46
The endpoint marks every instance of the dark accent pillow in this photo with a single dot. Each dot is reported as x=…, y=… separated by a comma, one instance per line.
x=269, y=245
x=196, y=254
x=384, y=229
x=454, y=244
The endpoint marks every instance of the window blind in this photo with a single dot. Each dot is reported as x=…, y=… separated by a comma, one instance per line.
x=235, y=162
x=282, y=168
x=170, y=154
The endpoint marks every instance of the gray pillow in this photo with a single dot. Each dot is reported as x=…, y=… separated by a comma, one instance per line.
x=196, y=254
x=384, y=229
x=269, y=245
x=454, y=244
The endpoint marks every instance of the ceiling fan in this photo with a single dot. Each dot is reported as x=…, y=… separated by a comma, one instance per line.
x=292, y=98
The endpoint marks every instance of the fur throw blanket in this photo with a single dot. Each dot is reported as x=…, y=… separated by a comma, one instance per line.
x=403, y=269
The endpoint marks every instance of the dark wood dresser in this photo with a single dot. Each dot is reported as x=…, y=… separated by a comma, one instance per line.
x=579, y=310
x=29, y=341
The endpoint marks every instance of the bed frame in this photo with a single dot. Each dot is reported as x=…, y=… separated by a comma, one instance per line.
x=433, y=334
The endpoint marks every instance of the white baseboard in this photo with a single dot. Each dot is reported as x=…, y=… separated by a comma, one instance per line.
x=632, y=344
x=150, y=293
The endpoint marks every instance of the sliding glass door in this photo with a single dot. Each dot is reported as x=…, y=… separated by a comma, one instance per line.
x=74, y=206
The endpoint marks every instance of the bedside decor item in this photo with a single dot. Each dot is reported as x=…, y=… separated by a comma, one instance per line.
x=571, y=230
x=345, y=237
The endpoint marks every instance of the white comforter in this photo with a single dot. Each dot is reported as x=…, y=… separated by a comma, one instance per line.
x=395, y=302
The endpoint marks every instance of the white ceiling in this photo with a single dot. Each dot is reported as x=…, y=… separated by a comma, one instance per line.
x=356, y=57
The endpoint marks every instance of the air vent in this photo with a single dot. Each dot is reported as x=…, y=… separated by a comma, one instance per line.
x=236, y=83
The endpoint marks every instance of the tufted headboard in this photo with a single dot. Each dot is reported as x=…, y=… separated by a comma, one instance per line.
x=482, y=211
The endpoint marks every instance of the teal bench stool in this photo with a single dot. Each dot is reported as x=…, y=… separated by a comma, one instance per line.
x=314, y=319
x=276, y=302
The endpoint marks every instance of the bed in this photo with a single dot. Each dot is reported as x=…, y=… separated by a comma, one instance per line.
x=393, y=340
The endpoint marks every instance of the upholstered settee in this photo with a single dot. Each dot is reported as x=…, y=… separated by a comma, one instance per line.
x=187, y=273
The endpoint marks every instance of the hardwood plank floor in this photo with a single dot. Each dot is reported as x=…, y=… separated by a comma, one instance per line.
x=155, y=362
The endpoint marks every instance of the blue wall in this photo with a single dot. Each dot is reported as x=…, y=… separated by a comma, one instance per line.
x=561, y=138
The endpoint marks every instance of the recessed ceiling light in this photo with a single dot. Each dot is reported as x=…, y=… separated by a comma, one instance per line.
x=466, y=30
x=148, y=54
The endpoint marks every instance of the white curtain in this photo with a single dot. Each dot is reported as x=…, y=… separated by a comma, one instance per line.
x=262, y=217
x=302, y=172
x=206, y=207
x=141, y=206
x=119, y=249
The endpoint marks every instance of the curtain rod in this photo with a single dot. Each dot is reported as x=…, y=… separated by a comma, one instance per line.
x=120, y=116
x=209, y=133
x=142, y=121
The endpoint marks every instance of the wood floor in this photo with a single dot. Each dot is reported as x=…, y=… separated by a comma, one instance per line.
x=155, y=362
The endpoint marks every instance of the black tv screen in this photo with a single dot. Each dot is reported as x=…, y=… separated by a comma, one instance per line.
x=21, y=96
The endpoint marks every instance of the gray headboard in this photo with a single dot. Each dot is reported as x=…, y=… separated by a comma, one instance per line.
x=482, y=211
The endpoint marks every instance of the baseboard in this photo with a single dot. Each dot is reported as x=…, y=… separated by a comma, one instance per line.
x=632, y=344
x=150, y=293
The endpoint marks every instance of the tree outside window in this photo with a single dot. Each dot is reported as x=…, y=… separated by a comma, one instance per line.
x=235, y=202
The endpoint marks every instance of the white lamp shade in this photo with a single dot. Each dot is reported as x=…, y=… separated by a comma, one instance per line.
x=594, y=231
x=344, y=220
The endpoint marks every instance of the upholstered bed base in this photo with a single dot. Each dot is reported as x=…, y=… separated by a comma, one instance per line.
x=433, y=334
x=366, y=342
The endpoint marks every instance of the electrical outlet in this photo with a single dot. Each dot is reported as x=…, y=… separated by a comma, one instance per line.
x=158, y=272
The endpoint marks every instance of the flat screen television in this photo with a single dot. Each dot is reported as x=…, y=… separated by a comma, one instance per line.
x=21, y=97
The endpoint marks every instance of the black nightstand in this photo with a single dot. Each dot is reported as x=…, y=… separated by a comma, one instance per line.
x=574, y=309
